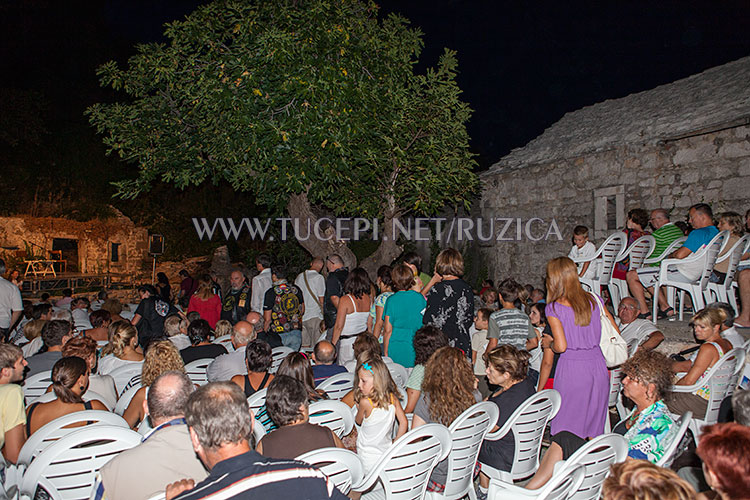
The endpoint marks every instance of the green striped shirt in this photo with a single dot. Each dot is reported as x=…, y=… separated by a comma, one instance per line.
x=664, y=236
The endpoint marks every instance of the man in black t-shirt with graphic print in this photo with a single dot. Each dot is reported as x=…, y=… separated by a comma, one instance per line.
x=150, y=315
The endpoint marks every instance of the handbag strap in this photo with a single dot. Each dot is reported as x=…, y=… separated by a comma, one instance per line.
x=602, y=314
x=307, y=284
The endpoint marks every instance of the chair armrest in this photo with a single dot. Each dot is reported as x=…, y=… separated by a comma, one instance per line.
x=500, y=433
x=501, y=489
x=686, y=388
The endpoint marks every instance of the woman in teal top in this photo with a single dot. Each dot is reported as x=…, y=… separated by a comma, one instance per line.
x=402, y=316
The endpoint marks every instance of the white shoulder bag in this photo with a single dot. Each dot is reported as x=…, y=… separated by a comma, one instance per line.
x=613, y=346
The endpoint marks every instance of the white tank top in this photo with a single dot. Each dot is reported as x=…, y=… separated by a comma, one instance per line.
x=356, y=322
x=374, y=436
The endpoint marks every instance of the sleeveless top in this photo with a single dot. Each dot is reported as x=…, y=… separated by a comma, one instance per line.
x=705, y=391
x=250, y=390
x=355, y=323
x=374, y=436
x=86, y=405
x=291, y=441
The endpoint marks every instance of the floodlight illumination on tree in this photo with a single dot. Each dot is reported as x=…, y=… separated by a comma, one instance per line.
x=310, y=106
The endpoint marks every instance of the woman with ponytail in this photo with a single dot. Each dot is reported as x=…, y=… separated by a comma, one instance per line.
x=122, y=348
x=70, y=379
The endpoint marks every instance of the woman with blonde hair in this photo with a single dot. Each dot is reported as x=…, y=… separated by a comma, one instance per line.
x=122, y=348
x=448, y=389
x=205, y=302
x=33, y=333
x=161, y=356
x=70, y=380
x=642, y=480
x=707, y=326
x=450, y=300
x=581, y=375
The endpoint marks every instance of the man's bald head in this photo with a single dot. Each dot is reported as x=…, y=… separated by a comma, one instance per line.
x=167, y=396
x=324, y=352
x=242, y=333
x=316, y=264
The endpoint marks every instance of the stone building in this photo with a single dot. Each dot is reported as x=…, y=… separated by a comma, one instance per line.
x=672, y=146
x=114, y=245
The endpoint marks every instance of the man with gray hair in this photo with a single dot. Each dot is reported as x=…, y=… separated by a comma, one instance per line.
x=165, y=454
x=228, y=365
x=11, y=305
x=220, y=426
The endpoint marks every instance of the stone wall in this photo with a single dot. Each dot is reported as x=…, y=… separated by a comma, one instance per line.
x=94, y=239
x=713, y=168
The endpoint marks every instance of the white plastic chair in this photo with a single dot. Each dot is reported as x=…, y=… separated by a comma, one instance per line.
x=467, y=433
x=724, y=292
x=697, y=289
x=338, y=385
x=597, y=456
x=333, y=414
x=196, y=370
x=124, y=375
x=399, y=374
x=67, y=468
x=719, y=379
x=557, y=488
x=226, y=341
x=258, y=432
x=36, y=385
x=615, y=386
x=342, y=467
x=404, y=470
x=256, y=401
x=125, y=399
x=87, y=396
x=607, y=254
x=675, y=438
x=637, y=253
x=527, y=424
x=278, y=354
x=57, y=428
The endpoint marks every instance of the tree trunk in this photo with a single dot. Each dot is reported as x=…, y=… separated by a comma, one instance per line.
x=301, y=214
x=386, y=252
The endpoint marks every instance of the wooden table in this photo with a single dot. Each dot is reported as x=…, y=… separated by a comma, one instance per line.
x=40, y=267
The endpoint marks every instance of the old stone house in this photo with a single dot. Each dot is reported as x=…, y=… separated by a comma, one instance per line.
x=672, y=146
x=114, y=245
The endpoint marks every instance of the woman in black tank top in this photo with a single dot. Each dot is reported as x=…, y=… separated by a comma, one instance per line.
x=258, y=360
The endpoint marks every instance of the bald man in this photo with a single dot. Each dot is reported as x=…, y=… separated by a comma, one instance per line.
x=631, y=326
x=228, y=365
x=313, y=286
x=236, y=303
x=324, y=355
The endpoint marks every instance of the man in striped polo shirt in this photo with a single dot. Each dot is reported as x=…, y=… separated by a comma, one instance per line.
x=220, y=425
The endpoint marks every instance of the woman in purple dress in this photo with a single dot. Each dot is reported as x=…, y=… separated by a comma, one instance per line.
x=581, y=377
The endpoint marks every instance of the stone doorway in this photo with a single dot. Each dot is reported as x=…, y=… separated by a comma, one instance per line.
x=68, y=249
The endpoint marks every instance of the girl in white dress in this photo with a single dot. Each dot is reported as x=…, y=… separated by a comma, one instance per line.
x=378, y=407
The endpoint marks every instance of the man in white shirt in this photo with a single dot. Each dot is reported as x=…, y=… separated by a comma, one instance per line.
x=228, y=365
x=80, y=310
x=261, y=283
x=313, y=286
x=11, y=305
x=632, y=327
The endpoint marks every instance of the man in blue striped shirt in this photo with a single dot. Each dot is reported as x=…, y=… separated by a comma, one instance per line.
x=220, y=425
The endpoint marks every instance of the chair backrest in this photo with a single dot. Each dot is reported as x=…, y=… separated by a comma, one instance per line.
x=738, y=370
x=638, y=251
x=67, y=468
x=338, y=385
x=405, y=468
x=258, y=432
x=527, y=424
x=615, y=385
x=256, y=401
x=125, y=399
x=87, y=396
x=467, y=433
x=399, y=374
x=196, y=370
x=226, y=341
x=719, y=379
x=709, y=254
x=674, y=438
x=124, y=375
x=734, y=255
x=54, y=430
x=667, y=251
x=36, y=385
x=342, y=467
x=608, y=254
x=597, y=456
x=333, y=414
x=278, y=354
x=559, y=486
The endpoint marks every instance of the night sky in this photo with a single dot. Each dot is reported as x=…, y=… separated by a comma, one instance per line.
x=522, y=64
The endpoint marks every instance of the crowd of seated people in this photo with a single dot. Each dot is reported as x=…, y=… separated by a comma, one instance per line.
x=519, y=341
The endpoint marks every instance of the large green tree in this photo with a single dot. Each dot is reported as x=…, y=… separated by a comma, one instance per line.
x=313, y=107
